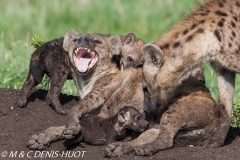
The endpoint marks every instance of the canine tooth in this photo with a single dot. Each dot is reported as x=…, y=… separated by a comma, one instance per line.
x=93, y=53
x=88, y=50
x=91, y=64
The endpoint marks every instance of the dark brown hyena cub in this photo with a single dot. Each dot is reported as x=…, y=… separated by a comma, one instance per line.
x=51, y=59
x=99, y=131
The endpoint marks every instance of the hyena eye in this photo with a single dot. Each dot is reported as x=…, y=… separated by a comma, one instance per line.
x=97, y=41
x=137, y=118
x=145, y=89
x=130, y=59
x=75, y=40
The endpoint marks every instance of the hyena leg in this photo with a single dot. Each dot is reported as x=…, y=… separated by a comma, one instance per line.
x=226, y=85
x=55, y=90
x=167, y=130
x=29, y=83
x=121, y=148
x=43, y=139
x=219, y=136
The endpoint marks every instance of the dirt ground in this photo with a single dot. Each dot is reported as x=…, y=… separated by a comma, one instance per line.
x=18, y=124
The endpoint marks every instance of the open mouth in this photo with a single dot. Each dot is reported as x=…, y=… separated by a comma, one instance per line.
x=84, y=59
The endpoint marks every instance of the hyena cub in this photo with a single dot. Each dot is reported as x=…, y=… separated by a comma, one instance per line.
x=131, y=54
x=51, y=59
x=99, y=131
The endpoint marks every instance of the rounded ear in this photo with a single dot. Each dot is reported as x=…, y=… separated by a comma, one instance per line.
x=152, y=55
x=129, y=38
x=121, y=117
x=124, y=116
x=68, y=38
x=115, y=45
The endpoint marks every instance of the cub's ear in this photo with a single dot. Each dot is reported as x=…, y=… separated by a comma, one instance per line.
x=123, y=116
x=152, y=55
x=129, y=38
x=68, y=38
x=115, y=45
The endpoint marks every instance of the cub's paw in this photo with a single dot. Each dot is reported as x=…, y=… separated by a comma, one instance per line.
x=113, y=150
x=39, y=141
x=71, y=131
x=145, y=150
x=21, y=102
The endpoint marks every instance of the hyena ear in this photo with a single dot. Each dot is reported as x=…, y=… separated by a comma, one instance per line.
x=129, y=38
x=115, y=45
x=68, y=38
x=123, y=116
x=152, y=55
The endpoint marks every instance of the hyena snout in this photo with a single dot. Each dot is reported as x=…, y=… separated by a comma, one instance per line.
x=139, y=123
x=84, y=40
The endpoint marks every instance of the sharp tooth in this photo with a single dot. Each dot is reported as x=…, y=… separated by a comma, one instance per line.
x=91, y=64
x=88, y=50
x=93, y=53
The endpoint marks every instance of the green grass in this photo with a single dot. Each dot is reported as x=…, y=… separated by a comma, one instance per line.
x=21, y=20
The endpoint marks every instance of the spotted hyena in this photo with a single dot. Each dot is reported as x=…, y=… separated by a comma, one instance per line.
x=208, y=34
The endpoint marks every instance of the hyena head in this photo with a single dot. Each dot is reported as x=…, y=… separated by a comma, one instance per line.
x=86, y=51
x=132, y=119
x=153, y=59
x=157, y=90
x=131, y=56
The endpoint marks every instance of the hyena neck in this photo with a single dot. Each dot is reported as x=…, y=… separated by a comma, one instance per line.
x=86, y=83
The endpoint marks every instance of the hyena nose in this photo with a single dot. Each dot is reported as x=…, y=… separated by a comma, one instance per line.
x=145, y=108
x=84, y=40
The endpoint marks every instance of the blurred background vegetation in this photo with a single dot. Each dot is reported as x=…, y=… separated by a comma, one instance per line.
x=21, y=20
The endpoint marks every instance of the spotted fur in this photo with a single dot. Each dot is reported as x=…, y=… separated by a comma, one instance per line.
x=210, y=33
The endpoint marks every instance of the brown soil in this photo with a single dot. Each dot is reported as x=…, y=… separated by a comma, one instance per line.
x=18, y=124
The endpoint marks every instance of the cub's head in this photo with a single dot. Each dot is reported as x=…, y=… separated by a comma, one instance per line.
x=131, y=56
x=86, y=51
x=130, y=118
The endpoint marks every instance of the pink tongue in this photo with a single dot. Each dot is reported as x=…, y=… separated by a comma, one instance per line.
x=83, y=64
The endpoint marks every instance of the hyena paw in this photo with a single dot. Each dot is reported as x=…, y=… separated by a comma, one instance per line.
x=61, y=111
x=114, y=150
x=38, y=141
x=21, y=102
x=145, y=150
x=71, y=131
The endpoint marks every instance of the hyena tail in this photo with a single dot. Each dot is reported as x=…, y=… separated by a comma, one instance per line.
x=219, y=136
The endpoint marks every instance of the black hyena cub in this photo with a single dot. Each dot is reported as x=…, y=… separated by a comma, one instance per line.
x=99, y=131
x=51, y=59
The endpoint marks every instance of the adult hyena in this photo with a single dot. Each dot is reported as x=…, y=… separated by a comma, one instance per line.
x=208, y=34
